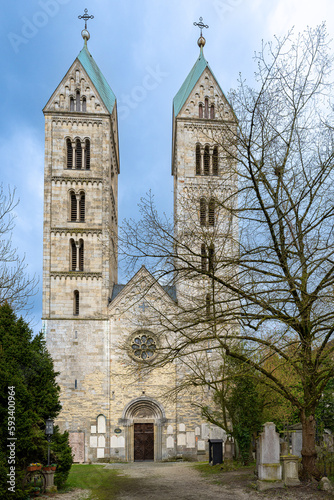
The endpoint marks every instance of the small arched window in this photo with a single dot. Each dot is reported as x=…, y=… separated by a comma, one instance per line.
x=82, y=207
x=77, y=100
x=84, y=103
x=202, y=217
x=200, y=110
x=198, y=159
x=73, y=251
x=78, y=154
x=87, y=154
x=74, y=211
x=69, y=153
x=81, y=255
x=212, y=111
x=208, y=305
x=206, y=160
x=76, y=303
x=206, y=108
x=211, y=258
x=211, y=213
x=204, y=260
x=215, y=161
x=71, y=104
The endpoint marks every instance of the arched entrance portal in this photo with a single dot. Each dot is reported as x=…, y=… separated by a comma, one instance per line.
x=143, y=419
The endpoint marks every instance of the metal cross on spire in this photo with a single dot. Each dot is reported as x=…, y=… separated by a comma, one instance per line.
x=86, y=17
x=201, y=25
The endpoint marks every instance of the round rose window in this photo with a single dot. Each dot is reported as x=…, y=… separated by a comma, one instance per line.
x=143, y=346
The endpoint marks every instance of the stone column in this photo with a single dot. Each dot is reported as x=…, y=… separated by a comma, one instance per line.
x=290, y=470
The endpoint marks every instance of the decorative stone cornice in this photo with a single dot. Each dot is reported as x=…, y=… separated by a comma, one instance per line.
x=75, y=275
x=75, y=230
x=66, y=120
x=64, y=179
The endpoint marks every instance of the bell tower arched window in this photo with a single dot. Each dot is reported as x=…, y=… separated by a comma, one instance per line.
x=77, y=100
x=203, y=211
x=212, y=111
x=82, y=207
x=81, y=255
x=78, y=154
x=200, y=110
x=69, y=154
x=207, y=160
x=84, y=104
x=87, y=154
x=206, y=108
x=211, y=213
x=215, y=161
x=198, y=159
x=211, y=258
x=73, y=251
x=74, y=210
x=204, y=259
x=71, y=104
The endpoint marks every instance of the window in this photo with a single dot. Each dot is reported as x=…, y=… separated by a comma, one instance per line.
x=202, y=216
x=76, y=305
x=73, y=206
x=211, y=258
x=71, y=104
x=78, y=154
x=215, y=161
x=204, y=259
x=206, y=160
x=73, y=249
x=87, y=154
x=212, y=112
x=69, y=154
x=82, y=207
x=208, y=305
x=206, y=108
x=84, y=104
x=198, y=159
x=211, y=213
x=81, y=255
x=200, y=110
x=77, y=100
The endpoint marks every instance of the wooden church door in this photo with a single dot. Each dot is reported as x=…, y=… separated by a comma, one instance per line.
x=143, y=442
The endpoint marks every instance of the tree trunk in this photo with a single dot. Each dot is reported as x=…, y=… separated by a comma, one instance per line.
x=309, y=454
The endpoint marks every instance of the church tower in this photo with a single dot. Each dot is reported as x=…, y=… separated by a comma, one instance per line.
x=80, y=233
x=205, y=174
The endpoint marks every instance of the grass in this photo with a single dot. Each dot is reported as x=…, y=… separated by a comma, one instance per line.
x=104, y=484
x=209, y=470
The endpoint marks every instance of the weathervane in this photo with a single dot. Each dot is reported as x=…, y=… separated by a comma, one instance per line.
x=201, y=25
x=86, y=17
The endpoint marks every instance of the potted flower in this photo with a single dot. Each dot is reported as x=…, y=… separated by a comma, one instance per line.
x=53, y=466
x=32, y=467
x=36, y=491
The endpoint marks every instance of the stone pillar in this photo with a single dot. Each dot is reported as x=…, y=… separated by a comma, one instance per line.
x=269, y=467
x=290, y=470
x=50, y=486
x=297, y=443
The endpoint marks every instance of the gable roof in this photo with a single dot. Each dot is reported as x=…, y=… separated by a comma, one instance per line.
x=100, y=83
x=190, y=82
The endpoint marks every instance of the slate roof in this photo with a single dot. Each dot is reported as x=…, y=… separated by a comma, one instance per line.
x=100, y=83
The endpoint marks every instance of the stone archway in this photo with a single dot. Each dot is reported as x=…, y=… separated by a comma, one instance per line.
x=143, y=419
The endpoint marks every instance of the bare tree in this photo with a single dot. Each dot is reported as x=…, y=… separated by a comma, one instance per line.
x=16, y=287
x=270, y=281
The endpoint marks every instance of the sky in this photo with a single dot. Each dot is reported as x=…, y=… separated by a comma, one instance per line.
x=130, y=39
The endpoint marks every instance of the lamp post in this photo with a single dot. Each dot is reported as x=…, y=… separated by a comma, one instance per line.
x=49, y=432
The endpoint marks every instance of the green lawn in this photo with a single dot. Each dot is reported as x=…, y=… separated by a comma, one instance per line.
x=104, y=484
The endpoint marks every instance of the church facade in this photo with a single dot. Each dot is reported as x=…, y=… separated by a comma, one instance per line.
x=97, y=330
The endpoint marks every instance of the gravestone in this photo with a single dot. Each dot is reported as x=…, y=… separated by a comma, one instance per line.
x=268, y=459
x=297, y=443
x=77, y=443
x=290, y=470
x=229, y=449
